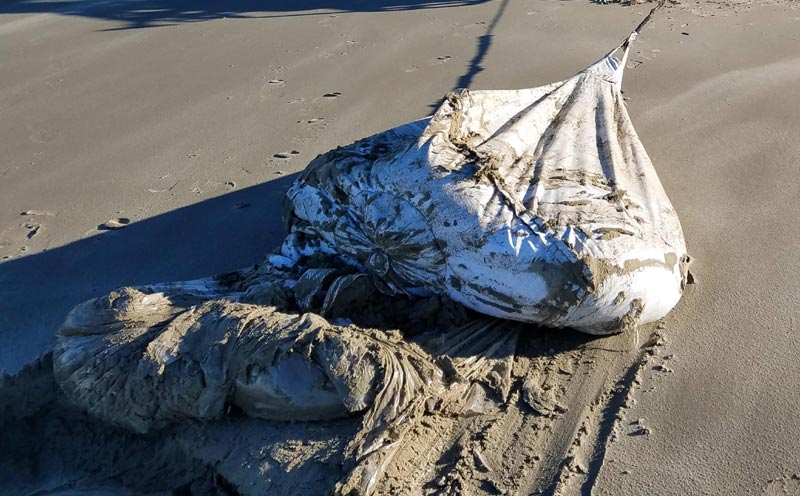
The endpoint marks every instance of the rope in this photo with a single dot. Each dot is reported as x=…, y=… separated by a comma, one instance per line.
x=642, y=24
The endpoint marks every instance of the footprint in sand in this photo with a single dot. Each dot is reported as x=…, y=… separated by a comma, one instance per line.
x=443, y=59
x=641, y=57
x=114, y=224
x=22, y=232
x=662, y=368
x=163, y=190
x=14, y=237
x=230, y=185
x=286, y=155
x=34, y=213
x=332, y=95
x=783, y=485
x=649, y=55
x=314, y=120
x=642, y=431
x=33, y=229
x=472, y=26
x=277, y=82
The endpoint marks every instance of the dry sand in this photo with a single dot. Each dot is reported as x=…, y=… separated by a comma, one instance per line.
x=184, y=118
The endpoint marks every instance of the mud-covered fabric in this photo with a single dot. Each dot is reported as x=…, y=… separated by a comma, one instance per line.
x=538, y=205
x=144, y=360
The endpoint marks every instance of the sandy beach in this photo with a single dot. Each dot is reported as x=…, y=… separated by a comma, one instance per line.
x=154, y=141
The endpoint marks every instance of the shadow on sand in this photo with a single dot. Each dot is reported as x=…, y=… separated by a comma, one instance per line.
x=220, y=234
x=135, y=14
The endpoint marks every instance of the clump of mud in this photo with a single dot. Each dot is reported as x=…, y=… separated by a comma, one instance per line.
x=52, y=447
x=515, y=409
x=278, y=379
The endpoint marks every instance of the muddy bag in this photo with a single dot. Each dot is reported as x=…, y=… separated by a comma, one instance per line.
x=538, y=205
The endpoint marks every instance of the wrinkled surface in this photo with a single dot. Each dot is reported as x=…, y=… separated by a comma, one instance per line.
x=149, y=358
x=52, y=447
x=538, y=205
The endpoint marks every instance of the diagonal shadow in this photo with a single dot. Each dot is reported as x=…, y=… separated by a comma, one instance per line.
x=213, y=236
x=483, y=45
x=475, y=66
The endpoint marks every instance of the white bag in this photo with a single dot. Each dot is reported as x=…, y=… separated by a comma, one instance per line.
x=539, y=205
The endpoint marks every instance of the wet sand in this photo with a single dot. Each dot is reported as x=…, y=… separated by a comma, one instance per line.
x=185, y=125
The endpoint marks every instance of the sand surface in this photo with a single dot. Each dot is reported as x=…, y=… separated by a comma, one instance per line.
x=188, y=121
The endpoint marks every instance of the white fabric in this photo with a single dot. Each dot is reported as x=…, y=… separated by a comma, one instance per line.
x=538, y=205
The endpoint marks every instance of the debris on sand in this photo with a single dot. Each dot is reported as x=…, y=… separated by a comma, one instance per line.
x=114, y=224
x=356, y=315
